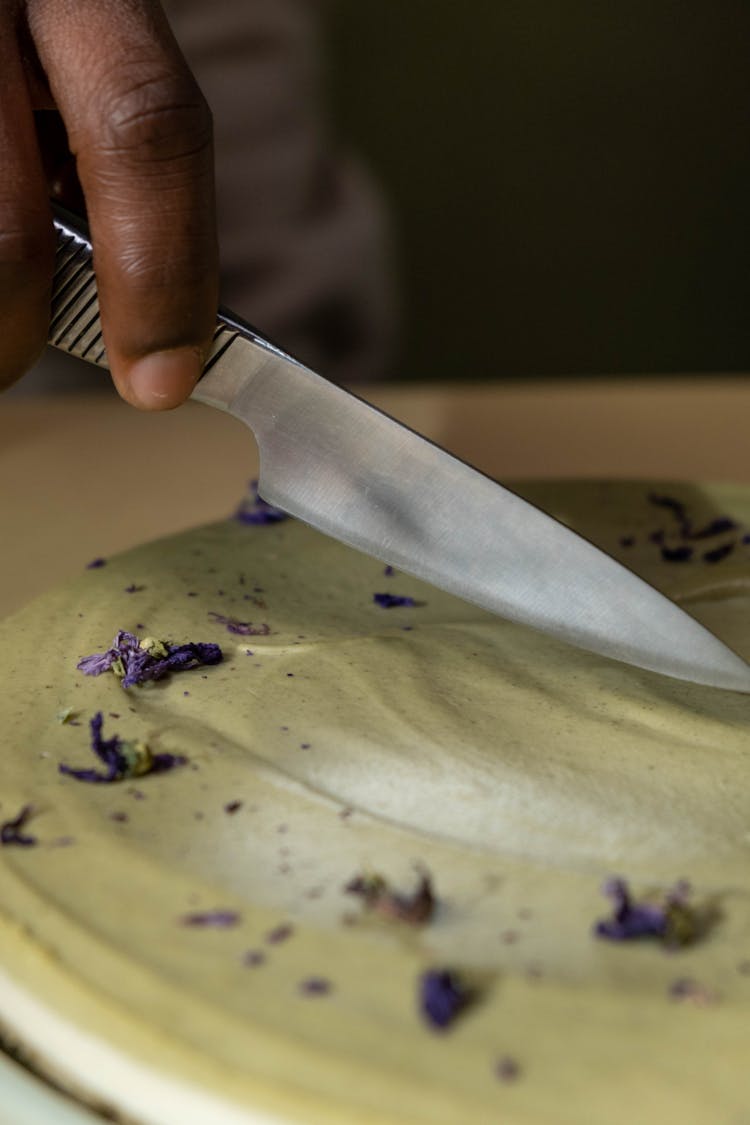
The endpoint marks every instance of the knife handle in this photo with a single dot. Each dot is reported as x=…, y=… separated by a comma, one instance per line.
x=75, y=325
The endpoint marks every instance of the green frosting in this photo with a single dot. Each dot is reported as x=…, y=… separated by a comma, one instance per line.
x=518, y=772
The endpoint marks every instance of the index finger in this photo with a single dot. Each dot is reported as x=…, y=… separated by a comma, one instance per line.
x=141, y=133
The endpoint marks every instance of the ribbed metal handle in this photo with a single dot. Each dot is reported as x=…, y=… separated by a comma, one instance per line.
x=75, y=325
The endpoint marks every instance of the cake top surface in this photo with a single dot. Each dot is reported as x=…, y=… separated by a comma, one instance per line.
x=369, y=807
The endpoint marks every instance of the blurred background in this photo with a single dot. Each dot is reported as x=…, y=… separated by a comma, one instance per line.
x=569, y=182
x=499, y=189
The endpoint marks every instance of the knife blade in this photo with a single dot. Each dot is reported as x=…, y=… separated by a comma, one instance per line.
x=352, y=472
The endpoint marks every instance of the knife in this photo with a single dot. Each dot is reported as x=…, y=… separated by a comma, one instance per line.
x=356, y=474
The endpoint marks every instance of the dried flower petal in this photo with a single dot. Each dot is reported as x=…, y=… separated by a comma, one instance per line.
x=507, y=1069
x=685, y=988
x=415, y=909
x=11, y=831
x=123, y=759
x=280, y=933
x=253, y=509
x=717, y=526
x=442, y=997
x=136, y=662
x=718, y=553
x=240, y=628
x=207, y=919
x=677, y=554
x=253, y=958
x=675, y=506
x=668, y=917
x=388, y=601
x=315, y=986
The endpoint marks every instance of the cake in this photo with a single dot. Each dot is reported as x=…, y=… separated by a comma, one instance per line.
x=366, y=881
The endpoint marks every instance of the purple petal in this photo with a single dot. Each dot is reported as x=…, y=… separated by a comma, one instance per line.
x=718, y=553
x=90, y=775
x=112, y=753
x=415, y=909
x=507, y=1069
x=218, y=919
x=677, y=554
x=280, y=933
x=97, y=663
x=441, y=997
x=388, y=601
x=139, y=665
x=125, y=642
x=315, y=986
x=240, y=628
x=716, y=527
x=11, y=831
x=255, y=510
x=677, y=508
x=630, y=919
x=162, y=763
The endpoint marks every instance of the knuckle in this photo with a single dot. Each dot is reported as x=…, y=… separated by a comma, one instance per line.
x=152, y=273
x=160, y=118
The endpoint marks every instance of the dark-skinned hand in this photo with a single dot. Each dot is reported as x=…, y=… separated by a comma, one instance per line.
x=99, y=109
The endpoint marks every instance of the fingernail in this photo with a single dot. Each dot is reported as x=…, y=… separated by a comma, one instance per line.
x=164, y=379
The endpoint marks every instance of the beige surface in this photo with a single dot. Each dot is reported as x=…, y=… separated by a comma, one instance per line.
x=87, y=476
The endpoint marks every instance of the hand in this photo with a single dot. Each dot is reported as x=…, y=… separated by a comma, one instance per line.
x=139, y=131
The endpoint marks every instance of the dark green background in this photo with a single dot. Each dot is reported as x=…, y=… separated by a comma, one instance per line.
x=570, y=181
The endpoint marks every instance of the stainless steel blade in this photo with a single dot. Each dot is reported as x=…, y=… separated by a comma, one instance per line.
x=355, y=474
